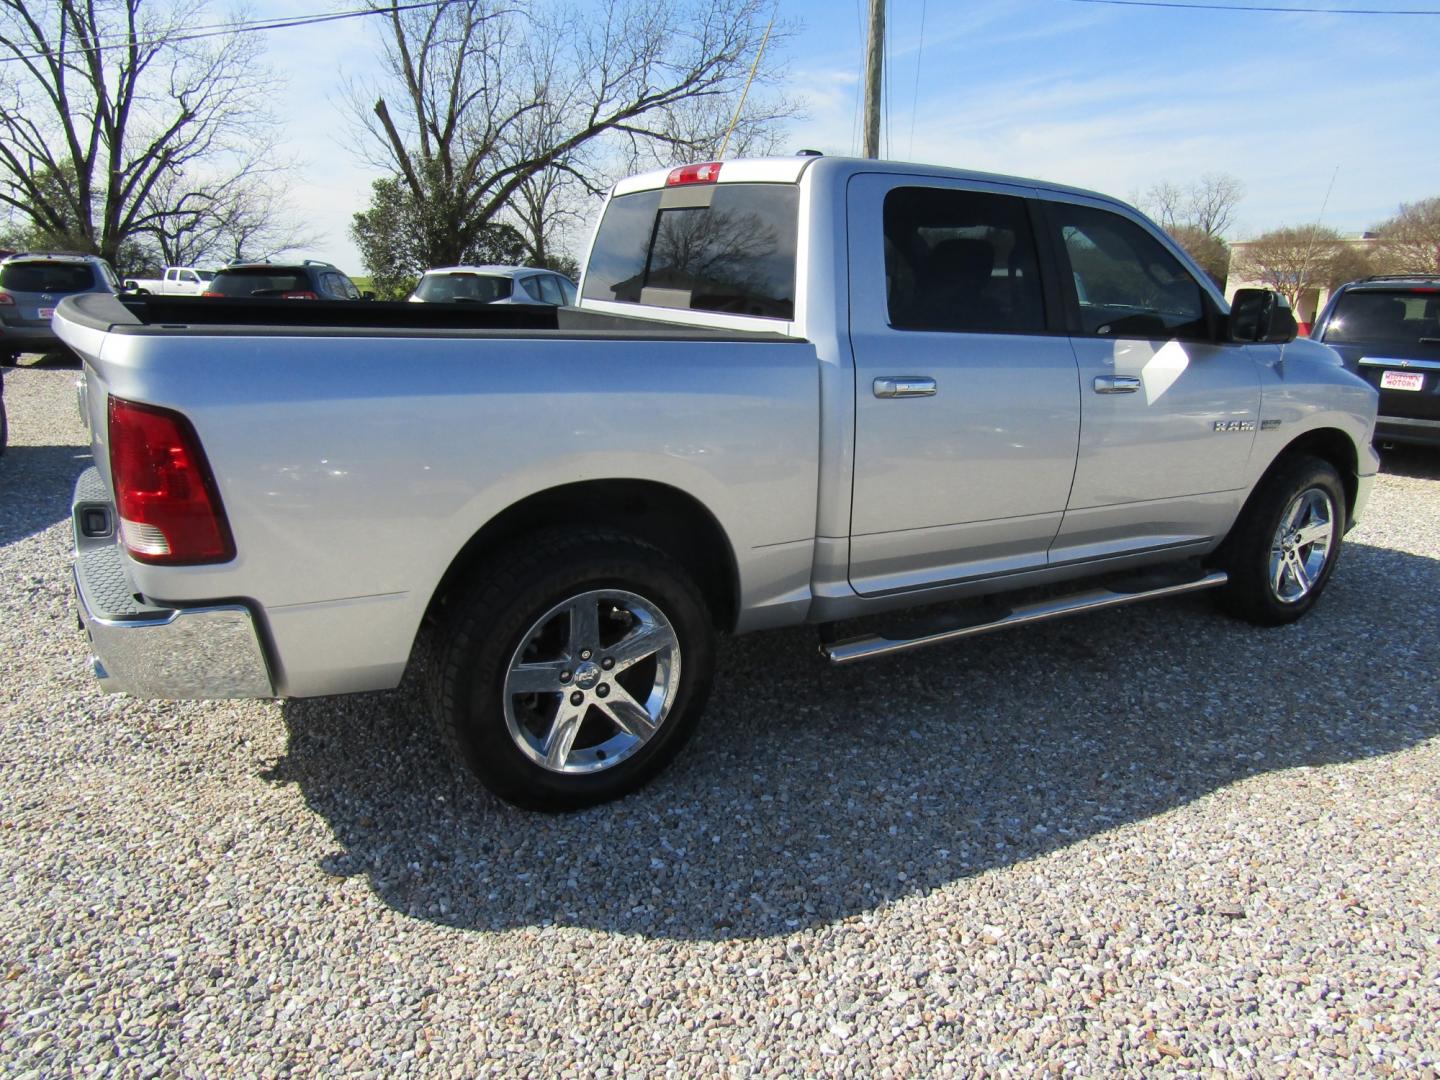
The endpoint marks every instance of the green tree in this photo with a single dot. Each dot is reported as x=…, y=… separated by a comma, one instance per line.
x=400, y=238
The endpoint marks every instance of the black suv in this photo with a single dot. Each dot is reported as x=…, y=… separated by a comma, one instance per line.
x=308, y=280
x=1387, y=329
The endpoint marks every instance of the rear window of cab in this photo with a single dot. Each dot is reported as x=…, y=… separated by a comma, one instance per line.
x=718, y=247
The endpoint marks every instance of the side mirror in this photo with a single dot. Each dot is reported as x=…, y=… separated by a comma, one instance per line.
x=1261, y=315
x=128, y=285
x=367, y=296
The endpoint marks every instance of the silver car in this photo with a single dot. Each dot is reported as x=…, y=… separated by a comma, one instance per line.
x=31, y=284
x=494, y=285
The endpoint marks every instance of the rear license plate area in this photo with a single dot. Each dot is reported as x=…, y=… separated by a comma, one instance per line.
x=1402, y=380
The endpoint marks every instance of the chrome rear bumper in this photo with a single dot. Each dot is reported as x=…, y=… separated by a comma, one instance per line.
x=211, y=651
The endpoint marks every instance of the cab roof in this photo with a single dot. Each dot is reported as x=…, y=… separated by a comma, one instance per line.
x=789, y=170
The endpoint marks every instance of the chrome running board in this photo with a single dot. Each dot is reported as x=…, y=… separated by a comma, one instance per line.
x=869, y=646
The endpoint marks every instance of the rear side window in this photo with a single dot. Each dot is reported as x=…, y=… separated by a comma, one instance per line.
x=1398, y=317
x=259, y=283
x=726, y=247
x=1126, y=284
x=549, y=289
x=961, y=261
x=465, y=288
x=339, y=286
x=47, y=277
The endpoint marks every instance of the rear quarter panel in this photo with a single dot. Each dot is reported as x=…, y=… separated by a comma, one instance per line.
x=354, y=469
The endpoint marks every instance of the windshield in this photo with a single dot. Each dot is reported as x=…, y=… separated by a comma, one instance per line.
x=464, y=288
x=206, y=275
x=730, y=247
x=261, y=282
x=1401, y=316
x=46, y=277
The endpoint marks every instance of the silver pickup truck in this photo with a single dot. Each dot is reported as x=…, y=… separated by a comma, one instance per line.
x=793, y=391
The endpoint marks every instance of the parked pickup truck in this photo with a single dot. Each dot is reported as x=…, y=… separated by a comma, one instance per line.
x=793, y=391
x=175, y=281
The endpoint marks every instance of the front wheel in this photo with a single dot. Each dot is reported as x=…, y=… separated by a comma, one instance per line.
x=574, y=670
x=1284, y=547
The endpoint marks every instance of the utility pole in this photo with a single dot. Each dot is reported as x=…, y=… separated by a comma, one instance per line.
x=874, y=62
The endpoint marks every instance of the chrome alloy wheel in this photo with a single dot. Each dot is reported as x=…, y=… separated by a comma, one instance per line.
x=1302, y=545
x=592, y=681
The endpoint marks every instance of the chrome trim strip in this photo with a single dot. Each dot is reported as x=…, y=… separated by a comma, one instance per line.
x=1398, y=362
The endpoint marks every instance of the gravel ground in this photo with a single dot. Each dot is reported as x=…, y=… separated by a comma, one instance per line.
x=1152, y=841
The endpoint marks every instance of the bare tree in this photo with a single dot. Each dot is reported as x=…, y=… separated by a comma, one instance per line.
x=1410, y=241
x=105, y=103
x=215, y=220
x=1207, y=204
x=479, y=99
x=1196, y=215
x=1295, y=260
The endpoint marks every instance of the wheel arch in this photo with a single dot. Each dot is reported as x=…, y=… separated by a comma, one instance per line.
x=1331, y=445
x=670, y=519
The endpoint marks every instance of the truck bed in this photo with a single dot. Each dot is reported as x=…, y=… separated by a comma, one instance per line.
x=171, y=315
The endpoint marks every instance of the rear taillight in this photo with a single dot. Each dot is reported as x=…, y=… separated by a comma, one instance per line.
x=300, y=295
x=6, y=298
x=213, y=295
x=708, y=173
x=169, y=506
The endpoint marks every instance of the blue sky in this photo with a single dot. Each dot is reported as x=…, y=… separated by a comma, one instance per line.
x=1111, y=98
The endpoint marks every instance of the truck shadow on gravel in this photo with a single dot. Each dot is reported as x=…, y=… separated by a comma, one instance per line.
x=1420, y=462
x=36, y=483
x=811, y=794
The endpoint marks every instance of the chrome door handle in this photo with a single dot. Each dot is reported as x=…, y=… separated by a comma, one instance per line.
x=1116, y=384
x=905, y=386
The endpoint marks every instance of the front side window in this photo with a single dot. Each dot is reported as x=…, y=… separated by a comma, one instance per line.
x=961, y=261
x=1126, y=284
x=735, y=253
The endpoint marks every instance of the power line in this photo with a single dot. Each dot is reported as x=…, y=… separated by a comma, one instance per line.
x=256, y=26
x=915, y=97
x=1258, y=7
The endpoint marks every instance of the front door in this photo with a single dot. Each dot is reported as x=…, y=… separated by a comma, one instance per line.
x=1168, y=411
x=967, y=407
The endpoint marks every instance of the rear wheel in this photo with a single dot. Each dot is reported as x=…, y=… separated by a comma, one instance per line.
x=575, y=670
x=1284, y=547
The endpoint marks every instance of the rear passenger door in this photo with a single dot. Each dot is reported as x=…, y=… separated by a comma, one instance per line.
x=1168, y=409
x=967, y=404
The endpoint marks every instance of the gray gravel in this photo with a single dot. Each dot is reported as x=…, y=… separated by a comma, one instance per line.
x=1152, y=841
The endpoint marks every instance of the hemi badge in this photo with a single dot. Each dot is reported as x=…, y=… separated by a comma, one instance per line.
x=1269, y=425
